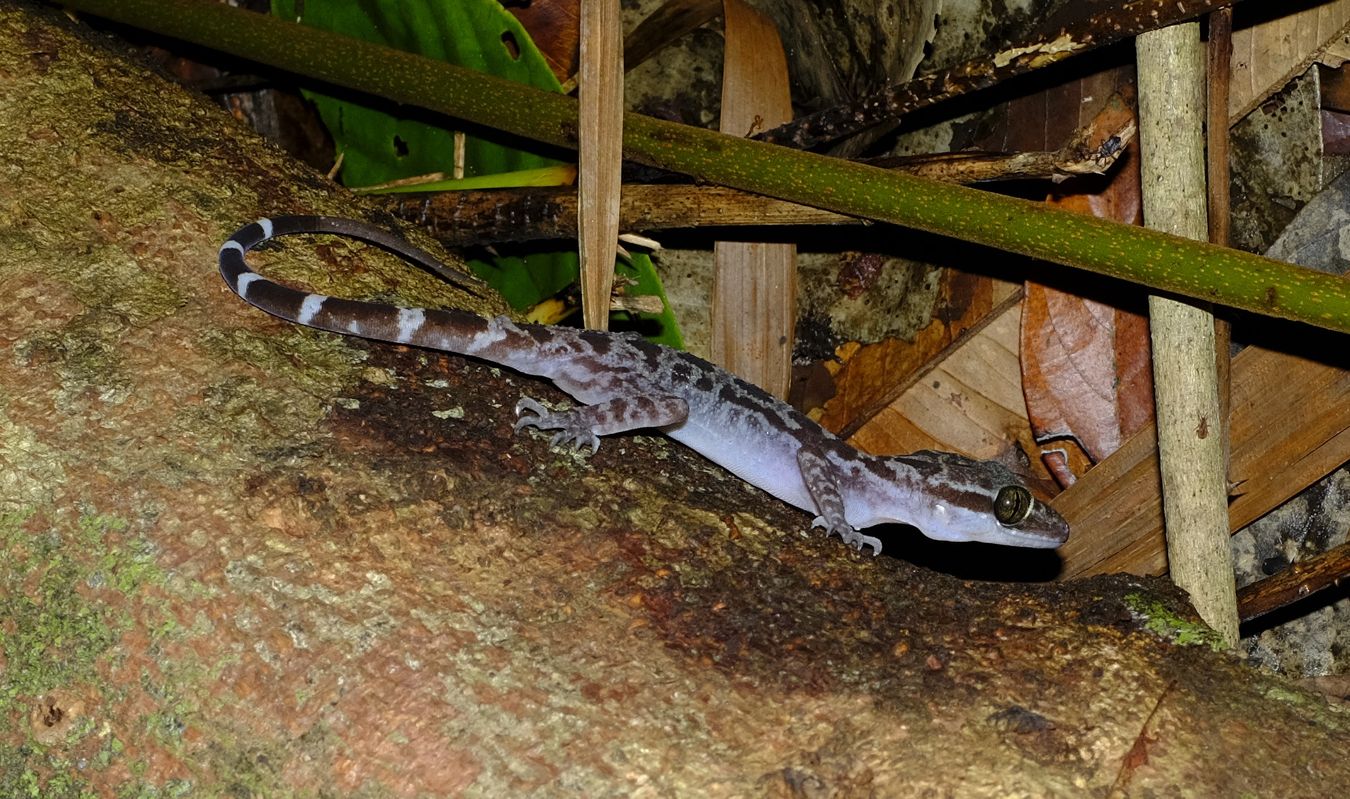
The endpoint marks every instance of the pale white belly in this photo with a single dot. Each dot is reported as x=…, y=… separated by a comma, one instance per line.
x=770, y=465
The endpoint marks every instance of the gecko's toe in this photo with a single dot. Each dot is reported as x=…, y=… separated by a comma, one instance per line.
x=528, y=404
x=861, y=542
x=574, y=438
x=819, y=523
x=852, y=538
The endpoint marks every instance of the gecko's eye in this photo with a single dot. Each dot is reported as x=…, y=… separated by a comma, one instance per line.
x=1013, y=505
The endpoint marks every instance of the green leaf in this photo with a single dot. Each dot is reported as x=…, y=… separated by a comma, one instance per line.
x=543, y=176
x=387, y=142
x=661, y=328
x=525, y=274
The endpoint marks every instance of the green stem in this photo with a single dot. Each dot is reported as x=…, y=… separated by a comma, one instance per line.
x=1162, y=262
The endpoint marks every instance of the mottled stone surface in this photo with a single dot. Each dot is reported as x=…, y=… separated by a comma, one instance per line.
x=1310, y=638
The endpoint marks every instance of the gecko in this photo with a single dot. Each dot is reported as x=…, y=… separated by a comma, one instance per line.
x=626, y=383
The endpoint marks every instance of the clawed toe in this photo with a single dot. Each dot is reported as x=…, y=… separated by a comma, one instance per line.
x=528, y=404
x=851, y=538
x=532, y=414
x=569, y=430
x=859, y=542
x=576, y=439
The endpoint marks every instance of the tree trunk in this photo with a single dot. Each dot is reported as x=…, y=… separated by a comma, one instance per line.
x=244, y=558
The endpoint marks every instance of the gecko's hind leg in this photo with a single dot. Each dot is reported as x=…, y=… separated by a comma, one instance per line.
x=583, y=426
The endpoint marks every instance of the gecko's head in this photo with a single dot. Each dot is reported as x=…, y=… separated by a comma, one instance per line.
x=969, y=500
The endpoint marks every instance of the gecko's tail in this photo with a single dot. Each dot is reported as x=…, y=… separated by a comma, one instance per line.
x=451, y=330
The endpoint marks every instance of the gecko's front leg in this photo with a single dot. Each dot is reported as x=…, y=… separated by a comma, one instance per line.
x=584, y=425
x=819, y=476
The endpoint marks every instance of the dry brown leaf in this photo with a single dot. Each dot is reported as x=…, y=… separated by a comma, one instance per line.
x=1085, y=371
x=599, y=171
x=1085, y=364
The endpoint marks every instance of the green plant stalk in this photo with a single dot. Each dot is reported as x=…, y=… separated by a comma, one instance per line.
x=1162, y=262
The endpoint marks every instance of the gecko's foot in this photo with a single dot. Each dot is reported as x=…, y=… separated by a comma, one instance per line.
x=570, y=427
x=851, y=537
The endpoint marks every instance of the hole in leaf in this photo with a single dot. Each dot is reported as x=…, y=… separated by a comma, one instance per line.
x=512, y=47
x=400, y=147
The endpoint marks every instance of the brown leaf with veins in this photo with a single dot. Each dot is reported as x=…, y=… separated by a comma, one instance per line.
x=1085, y=364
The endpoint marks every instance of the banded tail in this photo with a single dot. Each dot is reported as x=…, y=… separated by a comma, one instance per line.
x=448, y=330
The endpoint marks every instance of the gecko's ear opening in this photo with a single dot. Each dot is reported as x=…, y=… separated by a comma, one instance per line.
x=1013, y=505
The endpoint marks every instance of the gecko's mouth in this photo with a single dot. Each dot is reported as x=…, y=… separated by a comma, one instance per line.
x=1043, y=529
x=1030, y=540
x=1037, y=527
x=1047, y=535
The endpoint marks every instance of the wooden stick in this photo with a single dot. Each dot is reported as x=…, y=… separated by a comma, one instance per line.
x=1086, y=26
x=461, y=218
x=1171, y=102
x=1218, y=68
x=1294, y=583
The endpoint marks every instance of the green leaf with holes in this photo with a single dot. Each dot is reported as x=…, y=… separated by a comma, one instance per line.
x=385, y=142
